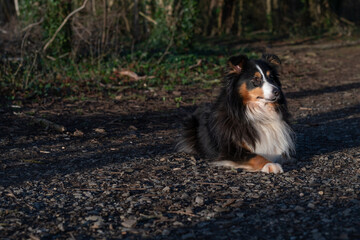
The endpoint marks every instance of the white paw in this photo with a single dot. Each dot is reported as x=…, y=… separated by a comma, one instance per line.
x=272, y=168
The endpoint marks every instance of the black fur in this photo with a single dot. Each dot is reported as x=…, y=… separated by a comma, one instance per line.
x=218, y=131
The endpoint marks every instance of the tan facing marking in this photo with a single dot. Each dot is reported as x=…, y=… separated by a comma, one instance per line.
x=250, y=96
x=267, y=73
x=257, y=74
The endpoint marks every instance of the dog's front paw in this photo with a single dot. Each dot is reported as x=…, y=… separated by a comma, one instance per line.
x=272, y=168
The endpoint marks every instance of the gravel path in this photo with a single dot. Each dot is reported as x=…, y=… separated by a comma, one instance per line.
x=114, y=174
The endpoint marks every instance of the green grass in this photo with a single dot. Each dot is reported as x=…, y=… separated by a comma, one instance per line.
x=38, y=77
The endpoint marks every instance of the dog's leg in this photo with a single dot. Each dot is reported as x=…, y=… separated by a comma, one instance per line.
x=259, y=163
x=253, y=163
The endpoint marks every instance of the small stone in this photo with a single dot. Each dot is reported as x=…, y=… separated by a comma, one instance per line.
x=93, y=218
x=188, y=236
x=132, y=127
x=129, y=170
x=78, y=133
x=240, y=214
x=321, y=193
x=166, y=189
x=129, y=223
x=311, y=205
x=177, y=223
x=301, y=194
x=184, y=196
x=127, y=194
x=199, y=200
x=219, y=209
x=99, y=130
x=165, y=232
x=299, y=209
x=61, y=227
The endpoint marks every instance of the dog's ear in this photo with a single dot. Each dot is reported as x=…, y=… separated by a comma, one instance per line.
x=272, y=59
x=237, y=64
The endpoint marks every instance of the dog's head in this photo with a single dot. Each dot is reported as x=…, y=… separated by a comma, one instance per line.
x=256, y=81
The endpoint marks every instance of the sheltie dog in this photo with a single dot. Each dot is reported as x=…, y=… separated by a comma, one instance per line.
x=247, y=126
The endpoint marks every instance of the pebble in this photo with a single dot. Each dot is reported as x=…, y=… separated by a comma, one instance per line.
x=184, y=196
x=189, y=235
x=199, y=200
x=311, y=205
x=61, y=227
x=165, y=232
x=178, y=224
x=129, y=223
x=93, y=218
x=299, y=209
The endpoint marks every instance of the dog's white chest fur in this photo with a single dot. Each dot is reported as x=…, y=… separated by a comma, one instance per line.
x=275, y=141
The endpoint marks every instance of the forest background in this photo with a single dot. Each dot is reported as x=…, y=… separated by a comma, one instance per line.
x=108, y=48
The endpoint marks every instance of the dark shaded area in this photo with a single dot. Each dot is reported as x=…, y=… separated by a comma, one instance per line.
x=328, y=132
x=274, y=219
x=325, y=129
x=68, y=161
x=330, y=89
x=7, y=11
x=348, y=9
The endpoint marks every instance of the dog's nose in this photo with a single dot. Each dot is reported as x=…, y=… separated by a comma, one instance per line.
x=276, y=92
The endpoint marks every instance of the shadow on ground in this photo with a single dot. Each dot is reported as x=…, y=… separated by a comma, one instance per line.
x=149, y=134
x=281, y=218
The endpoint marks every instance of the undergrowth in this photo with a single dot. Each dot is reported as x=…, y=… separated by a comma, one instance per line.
x=37, y=77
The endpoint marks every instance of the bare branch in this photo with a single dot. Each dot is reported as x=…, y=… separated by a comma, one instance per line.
x=16, y=3
x=63, y=23
x=32, y=25
x=148, y=18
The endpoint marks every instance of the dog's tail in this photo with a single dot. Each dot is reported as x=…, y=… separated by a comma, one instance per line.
x=189, y=141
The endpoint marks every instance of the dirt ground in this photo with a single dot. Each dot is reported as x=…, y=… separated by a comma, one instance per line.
x=114, y=173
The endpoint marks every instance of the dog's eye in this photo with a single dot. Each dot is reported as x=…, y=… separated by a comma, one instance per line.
x=256, y=81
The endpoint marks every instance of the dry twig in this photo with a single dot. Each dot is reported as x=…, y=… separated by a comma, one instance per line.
x=32, y=25
x=147, y=18
x=44, y=122
x=198, y=64
x=183, y=213
x=134, y=75
x=63, y=23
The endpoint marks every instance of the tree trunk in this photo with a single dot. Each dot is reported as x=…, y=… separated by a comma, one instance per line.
x=276, y=16
x=7, y=11
x=103, y=38
x=268, y=15
x=210, y=17
x=240, y=18
x=230, y=18
x=135, y=27
x=216, y=30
